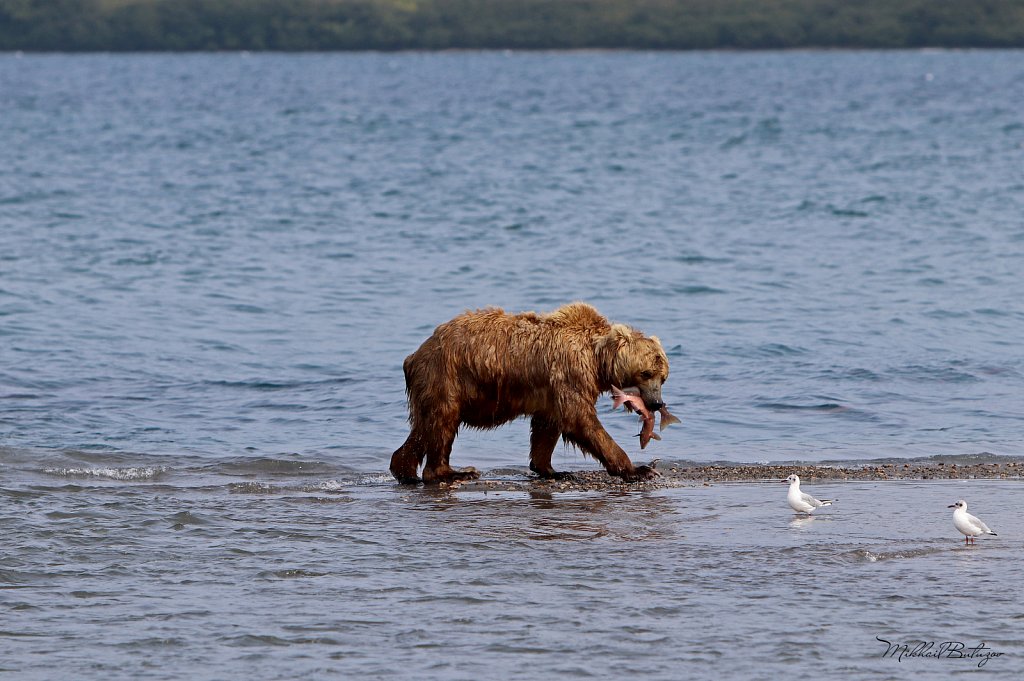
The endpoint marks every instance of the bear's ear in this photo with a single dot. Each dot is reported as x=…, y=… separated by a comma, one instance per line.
x=662, y=355
x=619, y=335
x=608, y=347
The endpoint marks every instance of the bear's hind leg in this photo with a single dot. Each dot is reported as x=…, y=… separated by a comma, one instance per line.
x=406, y=461
x=439, y=449
x=543, y=438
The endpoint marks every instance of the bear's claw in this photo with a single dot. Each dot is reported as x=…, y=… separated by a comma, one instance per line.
x=450, y=475
x=641, y=473
x=552, y=474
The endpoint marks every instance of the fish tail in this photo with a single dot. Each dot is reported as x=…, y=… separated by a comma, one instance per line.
x=667, y=419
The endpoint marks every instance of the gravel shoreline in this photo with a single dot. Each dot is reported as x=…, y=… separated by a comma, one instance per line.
x=683, y=476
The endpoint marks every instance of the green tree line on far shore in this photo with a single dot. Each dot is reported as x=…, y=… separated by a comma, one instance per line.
x=296, y=25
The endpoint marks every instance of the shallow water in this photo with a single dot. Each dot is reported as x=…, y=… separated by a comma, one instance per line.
x=289, y=573
x=212, y=267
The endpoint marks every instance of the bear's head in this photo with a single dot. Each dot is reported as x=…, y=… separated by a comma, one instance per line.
x=630, y=359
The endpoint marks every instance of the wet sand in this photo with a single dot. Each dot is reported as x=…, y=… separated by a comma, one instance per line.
x=683, y=476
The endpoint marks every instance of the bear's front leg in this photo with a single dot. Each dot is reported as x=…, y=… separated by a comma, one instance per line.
x=593, y=439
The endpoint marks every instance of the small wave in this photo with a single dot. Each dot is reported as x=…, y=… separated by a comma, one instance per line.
x=695, y=290
x=992, y=312
x=252, y=487
x=947, y=314
x=129, y=474
x=376, y=479
x=294, y=573
x=269, y=386
x=183, y=519
x=28, y=197
x=940, y=374
x=849, y=375
x=773, y=350
x=839, y=211
x=847, y=212
x=329, y=486
x=680, y=290
x=782, y=406
x=345, y=484
x=255, y=641
x=12, y=579
x=171, y=643
x=701, y=260
x=582, y=533
x=868, y=556
x=270, y=466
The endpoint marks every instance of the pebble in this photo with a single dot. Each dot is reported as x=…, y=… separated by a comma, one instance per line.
x=681, y=476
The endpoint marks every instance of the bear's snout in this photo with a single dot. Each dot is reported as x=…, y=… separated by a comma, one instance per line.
x=651, y=395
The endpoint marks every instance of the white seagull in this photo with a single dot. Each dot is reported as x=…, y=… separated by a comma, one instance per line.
x=970, y=526
x=800, y=502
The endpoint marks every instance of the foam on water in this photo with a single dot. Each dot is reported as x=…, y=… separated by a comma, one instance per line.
x=121, y=474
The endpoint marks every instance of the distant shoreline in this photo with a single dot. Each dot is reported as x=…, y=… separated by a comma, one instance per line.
x=12, y=51
x=432, y=25
x=6, y=52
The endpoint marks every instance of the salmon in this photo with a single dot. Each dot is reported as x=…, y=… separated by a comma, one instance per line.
x=633, y=402
x=647, y=429
x=631, y=397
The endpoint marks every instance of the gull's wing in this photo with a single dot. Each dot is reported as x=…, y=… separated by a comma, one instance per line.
x=808, y=499
x=975, y=520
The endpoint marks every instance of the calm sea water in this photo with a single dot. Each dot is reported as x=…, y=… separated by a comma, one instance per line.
x=212, y=267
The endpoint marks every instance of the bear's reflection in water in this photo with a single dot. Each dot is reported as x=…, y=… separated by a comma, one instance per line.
x=540, y=514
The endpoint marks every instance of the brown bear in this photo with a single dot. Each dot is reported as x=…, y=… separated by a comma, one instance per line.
x=486, y=367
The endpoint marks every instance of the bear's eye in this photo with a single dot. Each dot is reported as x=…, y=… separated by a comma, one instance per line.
x=646, y=375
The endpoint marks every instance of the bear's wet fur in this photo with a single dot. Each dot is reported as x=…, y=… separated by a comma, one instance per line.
x=487, y=367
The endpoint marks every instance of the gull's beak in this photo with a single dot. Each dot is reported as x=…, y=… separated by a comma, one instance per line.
x=951, y=506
